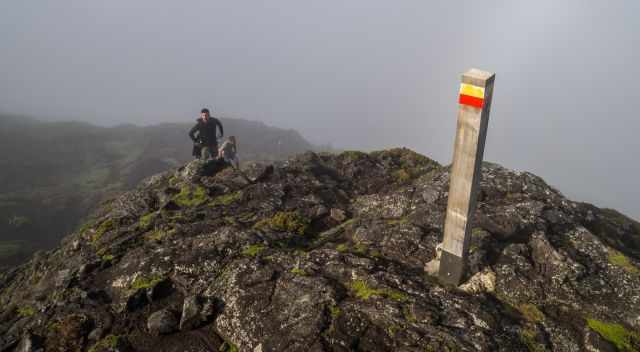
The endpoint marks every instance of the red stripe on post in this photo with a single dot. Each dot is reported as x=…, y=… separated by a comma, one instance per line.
x=471, y=101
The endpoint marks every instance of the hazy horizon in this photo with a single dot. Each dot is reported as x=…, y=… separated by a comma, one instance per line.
x=357, y=75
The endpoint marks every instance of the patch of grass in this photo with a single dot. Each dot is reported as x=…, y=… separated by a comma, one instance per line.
x=618, y=335
x=402, y=175
x=618, y=259
x=364, y=292
x=531, y=313
x=400, y=221
x=342, y=247
x=226, y=199
x=360, y=248
x=191, y=196
x=53, y=327
x=353, y=154
x=107, y=258
x=408, y=315
x=528, y=338
x=230, y=220
x=174, y=180
x=299, y=271
x=146, y=220
x=104, y=227
x=86, y=227
x=110, y=342
x=26, y=311
x=173, y=217
x=412, y=163
x=289, y=221
x=335, y=311
x=253, y=250
x=159, y=235
x=145, y=282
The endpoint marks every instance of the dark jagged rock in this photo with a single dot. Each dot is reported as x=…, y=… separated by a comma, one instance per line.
x=29, y=343
x=162, y=322
x=191, y=310
x=327, y=253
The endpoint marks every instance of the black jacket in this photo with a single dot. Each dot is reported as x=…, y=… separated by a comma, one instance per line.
x=205, y=132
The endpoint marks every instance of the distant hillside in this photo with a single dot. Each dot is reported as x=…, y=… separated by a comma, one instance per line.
x=53, y=174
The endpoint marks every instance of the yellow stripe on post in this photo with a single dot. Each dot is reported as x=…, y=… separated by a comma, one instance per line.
x=471, y=90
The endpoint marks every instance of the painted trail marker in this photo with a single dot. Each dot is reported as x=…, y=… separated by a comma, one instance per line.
x=476, y=91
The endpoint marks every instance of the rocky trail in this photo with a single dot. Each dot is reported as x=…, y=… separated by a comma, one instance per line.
x=327, y=252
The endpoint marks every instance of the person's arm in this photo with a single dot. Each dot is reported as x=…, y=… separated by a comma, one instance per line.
x=220, y=127
x=192, y=133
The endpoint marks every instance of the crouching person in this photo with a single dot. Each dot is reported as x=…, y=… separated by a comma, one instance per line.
x=229, y=152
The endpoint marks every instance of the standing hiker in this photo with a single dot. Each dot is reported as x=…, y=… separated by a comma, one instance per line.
x=204, y=136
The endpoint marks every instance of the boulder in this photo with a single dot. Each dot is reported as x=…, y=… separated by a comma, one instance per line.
x=191, y=309
x=162, y=322
x=29, y=343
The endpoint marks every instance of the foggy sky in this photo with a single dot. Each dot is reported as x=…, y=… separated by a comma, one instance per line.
x=356, y=74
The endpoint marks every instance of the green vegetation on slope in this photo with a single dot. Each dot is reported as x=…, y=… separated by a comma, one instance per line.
x=144, y=282
x=290, y=221
x=363, y=291
x=618, y=335
x=191, y=196
x=618, y=259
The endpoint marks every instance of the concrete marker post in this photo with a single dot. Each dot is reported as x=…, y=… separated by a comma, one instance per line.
x=476, y=91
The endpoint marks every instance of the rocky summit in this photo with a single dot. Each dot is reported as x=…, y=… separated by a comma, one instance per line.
x=329, y=252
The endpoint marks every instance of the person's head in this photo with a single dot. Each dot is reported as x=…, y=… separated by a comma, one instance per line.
x=232, y=139
x=204, y=113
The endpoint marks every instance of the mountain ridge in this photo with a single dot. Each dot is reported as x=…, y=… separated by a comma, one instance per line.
x=54, y=173
x=325, y=252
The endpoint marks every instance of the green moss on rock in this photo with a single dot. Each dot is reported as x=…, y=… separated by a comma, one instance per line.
x=618, y=335
x=335, y=311
x=399, y=221
x=86, y=227
x=226, y=199
x=360, y=248
x=408, y=315
x=253, y=250
x=342, y=247
x=110, y=342
x=531, y=313
x=145, y=282
x=104, y=227
x=353, y=154
x=299, y=271
x=159, y=235
x=146, y=220
x=26, y=311
x=618, y=259
x=402, y=175
x=191, y=196
x=289, y=221
x=228, y=347
x=528, y=338
x=364, y=292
